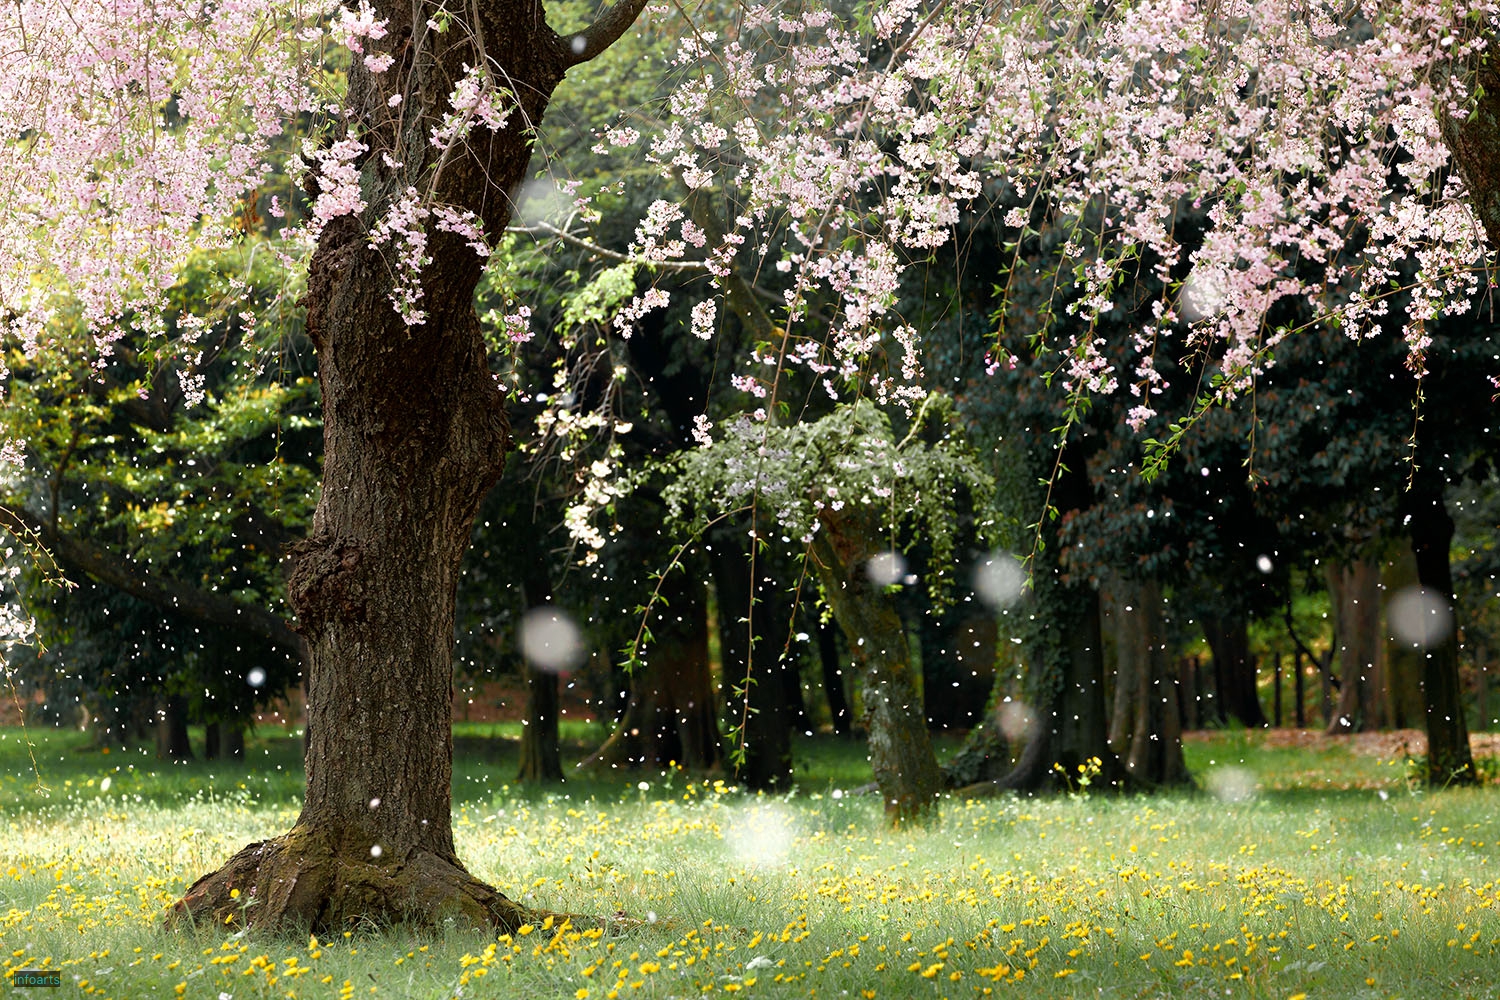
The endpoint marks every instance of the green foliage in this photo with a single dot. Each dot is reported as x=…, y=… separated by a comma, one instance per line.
x=202, y=492
x=846, y=465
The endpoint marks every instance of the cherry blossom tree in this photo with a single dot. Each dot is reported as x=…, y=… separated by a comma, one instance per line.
x=129, y=133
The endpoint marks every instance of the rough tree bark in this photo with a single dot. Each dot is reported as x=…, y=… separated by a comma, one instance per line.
x=901, y=754
x=414, y=433
x=1355, y=589
x=1449, y=759
x=1474, y=141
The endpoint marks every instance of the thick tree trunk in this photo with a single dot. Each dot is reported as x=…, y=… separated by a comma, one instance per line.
x=1070, y=733
x=1070, y=736
x=1474, y=141
x=1234, y=669
x=1355, y=589
x=1449, y=759
x=671, y=716
x=901, y=754
x=414, y=434
x=1154, y=755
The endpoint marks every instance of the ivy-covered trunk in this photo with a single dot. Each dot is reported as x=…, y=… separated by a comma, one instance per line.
x=414, y=434
x=901, y=754
x=1068, y=739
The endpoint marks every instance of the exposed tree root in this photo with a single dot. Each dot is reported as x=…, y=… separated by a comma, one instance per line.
x=305, y=880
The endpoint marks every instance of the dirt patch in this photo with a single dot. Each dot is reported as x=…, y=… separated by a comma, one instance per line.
x=1389, y=744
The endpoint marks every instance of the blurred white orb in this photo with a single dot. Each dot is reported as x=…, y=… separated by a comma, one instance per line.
x=1231, y=784
x=761, y=836
x=1419, y=616
x=550, y=641
x=1016, y=721
x=256, y=677
x=1204, y=294
x=999, y=579
x=885, y=569
x=1263, y=563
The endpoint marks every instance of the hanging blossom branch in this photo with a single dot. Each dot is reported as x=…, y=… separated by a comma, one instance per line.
x=1308, y=132
x=130, y=136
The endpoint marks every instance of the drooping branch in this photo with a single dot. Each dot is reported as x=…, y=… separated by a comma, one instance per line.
x=607, y=28
x=78, y=556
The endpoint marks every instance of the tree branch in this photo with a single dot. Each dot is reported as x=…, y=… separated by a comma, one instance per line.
x=547, y=229
x=1319, y=662
x=107, y=568
x=607, y=28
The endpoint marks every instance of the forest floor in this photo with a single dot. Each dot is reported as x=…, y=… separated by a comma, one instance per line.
x=1303, y=870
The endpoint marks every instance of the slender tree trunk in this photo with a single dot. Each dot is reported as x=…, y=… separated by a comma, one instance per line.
x=1355, y=588
x=1449, y=759
x=232, y=741
x=1276, y=688
x=757, y=707
x=1299, y=689
x=172, y=730
x=833, y=679
x=796, y=705
x=901, y=753
x=414, y=434
x=1482, y=685
x=671, y=714
x=541, y=760
x=1402, y=704
x=211, y=741
x=1131, y=650
x=1234, y=668
x=1187, y=670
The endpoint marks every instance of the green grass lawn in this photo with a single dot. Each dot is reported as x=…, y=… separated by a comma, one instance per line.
x=1302, y=873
